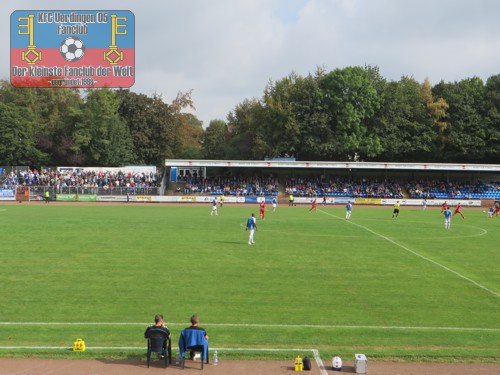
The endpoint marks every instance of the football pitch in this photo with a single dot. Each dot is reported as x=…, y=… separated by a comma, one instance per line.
x=401, y=288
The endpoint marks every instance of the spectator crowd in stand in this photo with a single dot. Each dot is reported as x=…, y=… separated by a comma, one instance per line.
x=267, y=185
x=231, y=185
x=102, y=179
x=317, y=186
x=430, y=189
x=108, y=182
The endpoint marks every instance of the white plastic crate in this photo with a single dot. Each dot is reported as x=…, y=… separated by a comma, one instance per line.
x=360, y=363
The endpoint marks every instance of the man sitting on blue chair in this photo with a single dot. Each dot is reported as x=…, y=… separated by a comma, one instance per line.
x=194, y=325
x=194, y=338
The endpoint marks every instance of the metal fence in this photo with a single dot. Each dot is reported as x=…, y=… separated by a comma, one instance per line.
x=40, y=190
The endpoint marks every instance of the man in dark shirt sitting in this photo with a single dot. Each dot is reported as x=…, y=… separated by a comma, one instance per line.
x=159, y=326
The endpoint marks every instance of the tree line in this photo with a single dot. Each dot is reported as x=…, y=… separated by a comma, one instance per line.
x=96, y=127
x=345, y=114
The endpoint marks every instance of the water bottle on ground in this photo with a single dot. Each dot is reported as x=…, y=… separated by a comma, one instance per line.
x=216, y=358
x=177, y=359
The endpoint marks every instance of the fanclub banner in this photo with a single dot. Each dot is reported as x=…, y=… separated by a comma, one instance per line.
x=6, y=193
x=370, y=201
x=68, y=48
x=76, y=198
x=433, y=202
x=114, y=198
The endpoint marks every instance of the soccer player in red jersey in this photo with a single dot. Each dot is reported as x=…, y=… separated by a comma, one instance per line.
x=314, y=205
x=262, y=210
x=444, y=207
x=458, y=210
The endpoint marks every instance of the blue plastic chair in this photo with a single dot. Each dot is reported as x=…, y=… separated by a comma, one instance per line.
x=193, y=340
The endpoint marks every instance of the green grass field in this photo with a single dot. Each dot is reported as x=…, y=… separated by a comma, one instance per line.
x=394, y=289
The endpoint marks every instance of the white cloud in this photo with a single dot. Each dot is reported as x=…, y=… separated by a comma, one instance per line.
x=226, y=50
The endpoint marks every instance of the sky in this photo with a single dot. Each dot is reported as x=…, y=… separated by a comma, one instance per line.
x=226, y=51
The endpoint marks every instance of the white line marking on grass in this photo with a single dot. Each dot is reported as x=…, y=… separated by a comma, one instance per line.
x=319, y=362
x=482, y=231
x=418, y=255
x=256, y=325
x=346, y=327
x=475, y=235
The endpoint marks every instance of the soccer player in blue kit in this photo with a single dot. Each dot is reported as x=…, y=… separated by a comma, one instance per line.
x=214, y=207
x=447, y=218
x=348, y=209
x=251, y=226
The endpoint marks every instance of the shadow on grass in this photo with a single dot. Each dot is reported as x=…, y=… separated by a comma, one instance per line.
x=233, y=242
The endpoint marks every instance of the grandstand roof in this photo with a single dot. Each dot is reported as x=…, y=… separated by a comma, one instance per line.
x=332, y=165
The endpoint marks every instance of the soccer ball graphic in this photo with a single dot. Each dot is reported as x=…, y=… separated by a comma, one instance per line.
x=72, y=48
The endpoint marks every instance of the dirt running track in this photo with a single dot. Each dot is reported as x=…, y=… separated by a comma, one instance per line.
x=106, y=367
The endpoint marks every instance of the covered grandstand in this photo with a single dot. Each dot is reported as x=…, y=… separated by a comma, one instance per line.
x=335, y=179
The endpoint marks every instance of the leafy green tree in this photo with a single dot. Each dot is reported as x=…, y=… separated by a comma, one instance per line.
x=135, y=111
x=57, y=112
x=437, y=108
x=18, y=143
x=101, y=136
x=466, y=135
x=155, y=126
x=492, y=120
x=246, y=139
x=214, y=140
x=405, y=127
x=17, y=146
x=191, y=135
x=292, y=126
x=146, y=117
x=351, y=100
